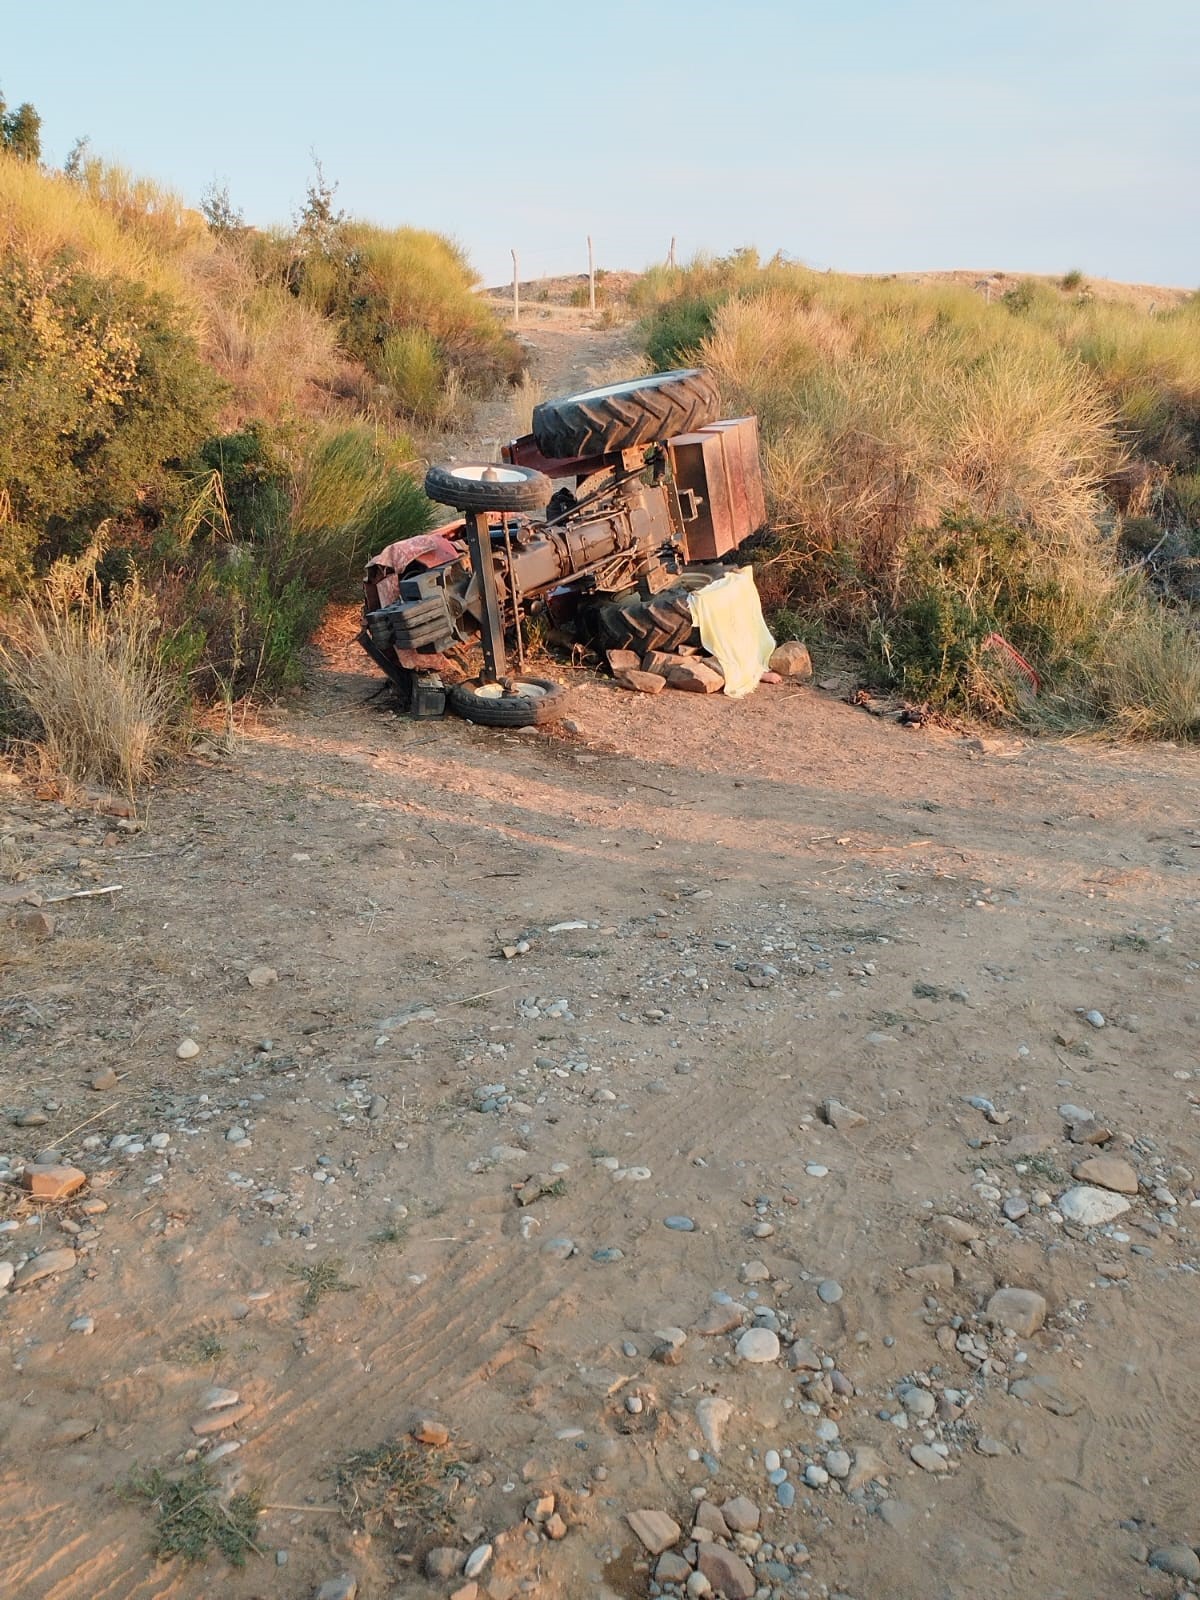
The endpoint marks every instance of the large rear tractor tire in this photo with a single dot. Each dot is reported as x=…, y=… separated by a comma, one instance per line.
x=661, y=623
x=620, y=416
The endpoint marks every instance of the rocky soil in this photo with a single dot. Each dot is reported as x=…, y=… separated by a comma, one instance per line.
x=736, y=1148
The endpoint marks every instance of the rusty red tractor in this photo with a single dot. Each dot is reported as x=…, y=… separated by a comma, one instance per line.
x=600, y=523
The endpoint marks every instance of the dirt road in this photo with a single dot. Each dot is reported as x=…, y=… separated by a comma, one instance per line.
x=721, y=916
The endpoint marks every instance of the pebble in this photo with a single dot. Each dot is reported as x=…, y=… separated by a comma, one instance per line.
x=712, y=1413
x=560, y=1248
x=215, y=1399
x=815, y=1477
x=928, y=1459
x=1180, y=1560
x=656, y=1530
x=1095, y=1018
x=786, y=1495
x=262, y=977
x=1091, y=1208
x=837, y=1464
x=343, y=1587
x=634, y=1404
x=42, y=1266
x=187, y=1050
x=608, y=1253
x=830, y=1291
x=916, y=1401
x=1107, y=1172
x=82, y=1325
x=477, y=1560
x=698, y=1586
x=1014, y=1208
x=104, y=1080
x=758, y=1345
x=772, y=1460
x=1022, y=1310
x=680, y=1224
x=816, y=1170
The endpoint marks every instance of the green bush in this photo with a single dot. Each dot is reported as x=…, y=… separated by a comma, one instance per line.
x=104, y=393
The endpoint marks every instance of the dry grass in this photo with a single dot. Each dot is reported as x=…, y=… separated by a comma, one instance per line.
x=92, y=678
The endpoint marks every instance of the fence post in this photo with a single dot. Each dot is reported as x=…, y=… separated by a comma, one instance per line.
x=591, y=276
x=516, y=290
x=671, y=252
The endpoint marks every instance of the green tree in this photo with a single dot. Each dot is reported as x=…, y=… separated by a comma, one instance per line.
x=21, y=131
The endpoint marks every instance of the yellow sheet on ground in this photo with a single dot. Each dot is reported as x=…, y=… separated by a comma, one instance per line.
x=729, y=616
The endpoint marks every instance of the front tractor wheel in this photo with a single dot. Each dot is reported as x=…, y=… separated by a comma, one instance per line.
x=490, y=486
x=516, y=703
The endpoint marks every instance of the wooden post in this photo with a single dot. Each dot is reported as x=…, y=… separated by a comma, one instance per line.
x=671, y=253
x=516, y=290
x=591, y=276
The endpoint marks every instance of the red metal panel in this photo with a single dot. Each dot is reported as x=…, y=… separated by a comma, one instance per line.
x=743, y=468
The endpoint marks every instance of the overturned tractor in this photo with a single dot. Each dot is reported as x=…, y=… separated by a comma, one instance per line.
x=621, y=501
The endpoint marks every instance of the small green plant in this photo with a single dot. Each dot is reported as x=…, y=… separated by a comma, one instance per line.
x=198, y=1350
x=190, y=1518
x=392, y=1233
x=320, y=1278
x=1072, y=281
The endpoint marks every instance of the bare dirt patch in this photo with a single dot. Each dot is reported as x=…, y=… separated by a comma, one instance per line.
x=734, y=912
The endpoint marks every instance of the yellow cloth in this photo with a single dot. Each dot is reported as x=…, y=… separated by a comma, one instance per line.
x=729, y=616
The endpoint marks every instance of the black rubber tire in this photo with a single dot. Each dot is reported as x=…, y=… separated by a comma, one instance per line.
x=466, y=489
x=622, y=415
x=509, y=710
x=661, y=623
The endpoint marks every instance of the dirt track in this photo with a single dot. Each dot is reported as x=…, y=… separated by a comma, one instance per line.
x=785, y=900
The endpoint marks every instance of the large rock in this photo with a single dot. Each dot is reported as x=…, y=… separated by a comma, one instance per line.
x=1022, y=1310
x=728, y=1574
x=52, y=1181
x=1091, y=1208
x=623, y=661
x=1107, y=1172
x=641, y=682
x=693, y=677
x=660, y=661
x=656, y=1530
x=792, y=660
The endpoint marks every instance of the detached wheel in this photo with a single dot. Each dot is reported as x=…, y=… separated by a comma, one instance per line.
x=622, y=415
x=491, y=486
x=526, y=703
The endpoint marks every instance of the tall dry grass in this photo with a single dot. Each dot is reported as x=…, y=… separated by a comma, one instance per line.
x=938, y=470
x=90, y=675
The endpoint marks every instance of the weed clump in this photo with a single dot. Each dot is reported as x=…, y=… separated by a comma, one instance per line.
x=191, y=1519
x=403, y=1486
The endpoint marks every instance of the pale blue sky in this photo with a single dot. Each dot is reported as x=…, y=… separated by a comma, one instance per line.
x=863, y=135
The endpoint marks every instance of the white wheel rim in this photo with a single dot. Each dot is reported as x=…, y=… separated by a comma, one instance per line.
x=489, y=474
x=495, y=691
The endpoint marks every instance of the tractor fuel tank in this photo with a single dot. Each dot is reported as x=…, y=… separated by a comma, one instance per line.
x=719, y=483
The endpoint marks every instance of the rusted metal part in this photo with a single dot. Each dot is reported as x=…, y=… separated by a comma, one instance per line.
x=717, y=478
x=627, y=525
